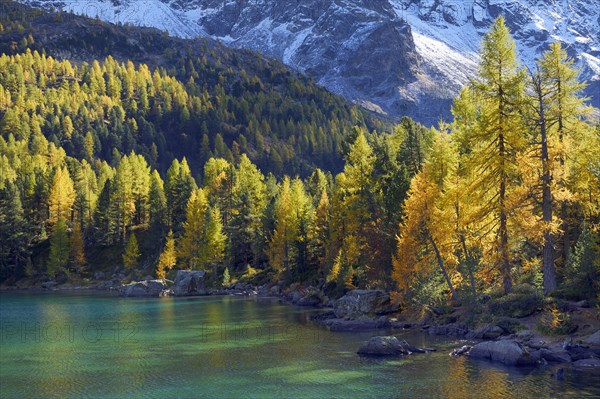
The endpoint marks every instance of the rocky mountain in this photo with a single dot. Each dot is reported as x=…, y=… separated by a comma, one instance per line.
x=396, y=57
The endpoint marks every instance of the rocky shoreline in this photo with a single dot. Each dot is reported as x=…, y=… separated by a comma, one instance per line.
x=373, y=310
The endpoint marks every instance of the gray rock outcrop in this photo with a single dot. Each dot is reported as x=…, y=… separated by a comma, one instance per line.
x=145, y=288
x=507, y=352
x=363, y=303
x=189, y=283
x=388, y=346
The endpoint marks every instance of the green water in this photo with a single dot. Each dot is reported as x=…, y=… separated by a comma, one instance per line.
x=96, y=346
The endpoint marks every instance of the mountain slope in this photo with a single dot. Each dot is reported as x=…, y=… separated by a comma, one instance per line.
x=394, y=56
x=224, y=102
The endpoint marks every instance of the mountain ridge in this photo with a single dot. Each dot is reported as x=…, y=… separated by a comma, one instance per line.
x=397, y=57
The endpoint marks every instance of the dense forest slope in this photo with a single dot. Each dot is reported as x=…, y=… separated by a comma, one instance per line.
x=210, y=100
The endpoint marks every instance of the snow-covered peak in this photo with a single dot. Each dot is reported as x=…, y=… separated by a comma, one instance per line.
x=395, y=56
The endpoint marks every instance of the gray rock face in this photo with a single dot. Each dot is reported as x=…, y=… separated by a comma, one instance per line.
x=146, y=288
x=506, y=352
x=363, y=302
x=400, y=57
x=189, y=283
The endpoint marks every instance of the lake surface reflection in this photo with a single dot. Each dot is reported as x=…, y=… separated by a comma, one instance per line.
x=85, y=345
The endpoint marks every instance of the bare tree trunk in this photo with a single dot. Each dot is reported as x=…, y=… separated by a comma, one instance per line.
x=503, y=231
x=443, y=268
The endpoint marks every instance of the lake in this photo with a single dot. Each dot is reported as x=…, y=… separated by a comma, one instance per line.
x=85, y=345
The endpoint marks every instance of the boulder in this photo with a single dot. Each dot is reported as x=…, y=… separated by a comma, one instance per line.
x=321, y=316
x=145, y=288
x=460, y=351
x=189, y=282
x=311, y=299
x=506, y=352
x=388, y=346
x=275, y=290
x=382, y=346
x=452, y=330
x=358, y=303
x=362, y=323
x=593, y=339
x=48, y=285
x=486, y=332
x=559, y=356
x=587, y=363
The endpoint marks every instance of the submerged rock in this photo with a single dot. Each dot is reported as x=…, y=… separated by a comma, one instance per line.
x=591, y=363
x=146, y=288
x=461, y=351
x=388, y=346
x=507, y=352
x=382, y=346
x=360, y=324
x=189, y=282
x=555, y=356
x=452, y=330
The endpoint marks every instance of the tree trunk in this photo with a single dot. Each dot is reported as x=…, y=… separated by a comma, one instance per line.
x=443, y=268
x=547, y=202
x=503, y=231
x=469, y=264
x=548, y=268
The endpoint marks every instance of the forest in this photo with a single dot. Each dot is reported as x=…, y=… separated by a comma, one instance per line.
x=115, y=163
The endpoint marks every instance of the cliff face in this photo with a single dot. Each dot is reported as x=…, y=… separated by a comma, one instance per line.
x=393, y=56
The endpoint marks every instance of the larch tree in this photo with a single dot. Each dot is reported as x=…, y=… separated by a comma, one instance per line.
x=303, y=218
x=168, y=257
x=285, y=229
x=61, y=197
x=131, y=254
x=555, y=117
x=563, y=110
x=359, y=209
x=214, y=239
x=77, y=248
x=192, y=245
x=428, y=234
x=498, y=139
x=157, y=204
x=59, y=249
x=320, y=235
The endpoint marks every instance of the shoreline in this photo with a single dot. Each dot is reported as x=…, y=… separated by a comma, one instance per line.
x=539, y=350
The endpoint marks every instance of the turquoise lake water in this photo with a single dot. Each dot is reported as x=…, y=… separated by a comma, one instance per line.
x=83, y=345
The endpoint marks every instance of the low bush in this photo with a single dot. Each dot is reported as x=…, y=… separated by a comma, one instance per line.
x=511, y=326
x=556, y=322
x=522, y=301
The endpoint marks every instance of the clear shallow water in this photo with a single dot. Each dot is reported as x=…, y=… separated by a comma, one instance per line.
x=94, y=346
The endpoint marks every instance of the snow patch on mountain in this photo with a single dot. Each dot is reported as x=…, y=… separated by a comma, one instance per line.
x=426, y=48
